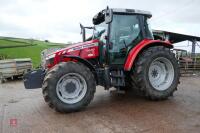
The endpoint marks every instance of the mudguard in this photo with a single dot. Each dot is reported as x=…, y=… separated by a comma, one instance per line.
x=139, y=47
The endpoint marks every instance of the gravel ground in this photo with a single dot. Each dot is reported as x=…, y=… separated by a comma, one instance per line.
x=24, y=111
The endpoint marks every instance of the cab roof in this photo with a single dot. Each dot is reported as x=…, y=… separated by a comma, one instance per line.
x=100, y=16
x=132, y=11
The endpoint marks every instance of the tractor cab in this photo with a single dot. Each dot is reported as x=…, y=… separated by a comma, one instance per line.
x=119, y=30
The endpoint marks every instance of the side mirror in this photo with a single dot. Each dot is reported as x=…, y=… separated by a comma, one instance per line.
x=106, y=37
x=108, y=16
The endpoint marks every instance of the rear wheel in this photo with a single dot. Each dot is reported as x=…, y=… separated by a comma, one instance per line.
x=156, y=73
x=69, y=87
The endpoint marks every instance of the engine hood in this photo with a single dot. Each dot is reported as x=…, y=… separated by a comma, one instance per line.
x=79, y=46
x=85, y=49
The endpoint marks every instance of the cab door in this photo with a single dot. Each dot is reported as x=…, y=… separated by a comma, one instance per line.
x=125, y=33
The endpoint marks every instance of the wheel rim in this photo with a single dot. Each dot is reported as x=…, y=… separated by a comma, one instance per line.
x=71, y=88
x=161, y=73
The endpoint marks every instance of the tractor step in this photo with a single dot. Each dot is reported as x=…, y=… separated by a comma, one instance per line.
x=117, y=78
x=110, y=77
x=117, y=91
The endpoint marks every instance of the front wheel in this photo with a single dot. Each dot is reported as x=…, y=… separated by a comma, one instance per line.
x=69, y=87
x=156, y=73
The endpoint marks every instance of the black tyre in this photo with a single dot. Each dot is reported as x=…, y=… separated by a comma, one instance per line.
x=69, y=87
x=156, y=73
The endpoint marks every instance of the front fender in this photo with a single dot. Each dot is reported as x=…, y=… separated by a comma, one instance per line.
x=83, y=61
x=79, y=59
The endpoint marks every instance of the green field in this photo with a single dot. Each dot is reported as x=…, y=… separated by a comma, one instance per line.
x=24, y=48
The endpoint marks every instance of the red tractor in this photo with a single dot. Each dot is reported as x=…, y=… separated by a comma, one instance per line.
x=122, y=53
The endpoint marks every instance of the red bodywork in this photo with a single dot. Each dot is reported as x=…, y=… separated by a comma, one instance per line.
x=85, y=50
x=136, y=50
x=90, y=50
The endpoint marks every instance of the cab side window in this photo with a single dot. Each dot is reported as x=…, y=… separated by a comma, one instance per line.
x=124, y=30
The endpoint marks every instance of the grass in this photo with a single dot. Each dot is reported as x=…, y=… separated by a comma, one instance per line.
x=6, y=41
x=31, y=51
x=9, y=43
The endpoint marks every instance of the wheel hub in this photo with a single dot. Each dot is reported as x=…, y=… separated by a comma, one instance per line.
x=154, y=73
x=70, y=87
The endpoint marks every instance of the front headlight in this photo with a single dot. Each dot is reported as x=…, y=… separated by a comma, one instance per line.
x=50, y=61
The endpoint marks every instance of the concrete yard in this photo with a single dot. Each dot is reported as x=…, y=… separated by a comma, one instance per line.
x=24, y=111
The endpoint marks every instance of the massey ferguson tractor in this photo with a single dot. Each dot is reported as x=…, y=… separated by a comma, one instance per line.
x=121, y=53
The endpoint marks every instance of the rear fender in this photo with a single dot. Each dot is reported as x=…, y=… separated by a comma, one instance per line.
x=146, y=43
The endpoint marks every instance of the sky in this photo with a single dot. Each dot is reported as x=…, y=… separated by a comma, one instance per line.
x=58, y=20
